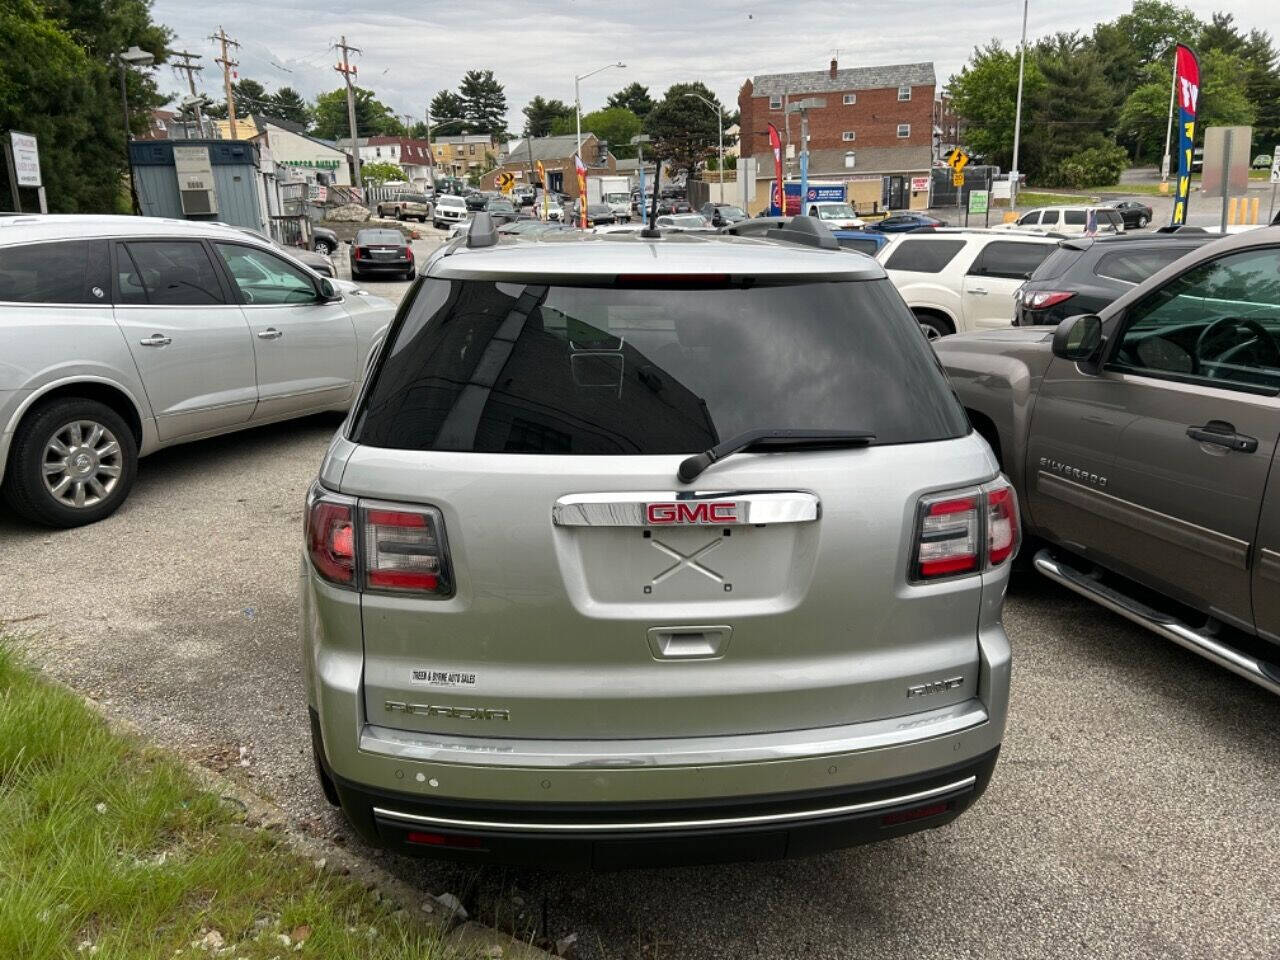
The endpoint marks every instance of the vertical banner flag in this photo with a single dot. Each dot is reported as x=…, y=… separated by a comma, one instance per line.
x=643, y=208
x=542, y=178
x=775, y=143
x=579, y=166
x=1186, y=81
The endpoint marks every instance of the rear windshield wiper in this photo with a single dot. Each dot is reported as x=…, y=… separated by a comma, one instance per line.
x=691, y=467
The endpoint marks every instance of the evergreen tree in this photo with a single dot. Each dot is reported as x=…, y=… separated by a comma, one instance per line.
x=484, y=103
x=287, y=104
x=634, y=97
x=540, y=114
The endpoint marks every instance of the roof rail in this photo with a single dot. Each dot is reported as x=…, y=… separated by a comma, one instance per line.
x=809, y=231
x=482, y=232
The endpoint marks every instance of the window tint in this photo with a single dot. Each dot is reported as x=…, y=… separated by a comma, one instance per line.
x=1050, y=218
x=515, y=368
x=1073, y=217
x=1015, y=261
x=1219, y=322
x=390, y=237
x=1134, y=266
x=73, y=271
x=1030, y=219
x=861, y=244
x=924, y=256
x=264, y=278
x=172, y=272
x=1056, y=263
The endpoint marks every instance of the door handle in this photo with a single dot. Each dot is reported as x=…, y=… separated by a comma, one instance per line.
x=978, y=290
x=1222, y=434
x=156, y=340
x=271, y=333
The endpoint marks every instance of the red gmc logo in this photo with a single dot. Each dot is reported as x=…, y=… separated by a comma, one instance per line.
x=700, y=512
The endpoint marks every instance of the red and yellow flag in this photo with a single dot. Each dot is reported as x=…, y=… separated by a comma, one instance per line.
x=580, y=167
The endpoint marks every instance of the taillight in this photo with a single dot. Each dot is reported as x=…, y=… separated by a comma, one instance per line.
x=408, y=253
x=948, y=535
x=331, y=538
x=1004, y=532
x=404, y=550
x=1044, y=299
x=956, y=528
x=360, y=253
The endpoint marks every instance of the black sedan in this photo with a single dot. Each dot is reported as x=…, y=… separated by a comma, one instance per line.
x=502, y=211
x=722, y=214
x=906, y=222
x=476, y=201
x=1134, y=213
x=381, y=252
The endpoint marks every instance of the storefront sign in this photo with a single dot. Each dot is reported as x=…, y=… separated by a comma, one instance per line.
x=26, y=159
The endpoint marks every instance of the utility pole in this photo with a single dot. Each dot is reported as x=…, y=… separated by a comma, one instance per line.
x=431, y=153
x=191, y=70
x=348, y=71
x=1017, y=120
x=227, y=64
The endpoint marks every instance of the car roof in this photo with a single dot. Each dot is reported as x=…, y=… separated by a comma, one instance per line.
x=1122, y=240
x=605, y=255
x=24, y=228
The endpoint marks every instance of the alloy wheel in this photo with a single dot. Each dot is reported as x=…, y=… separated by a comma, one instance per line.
x=81, y=463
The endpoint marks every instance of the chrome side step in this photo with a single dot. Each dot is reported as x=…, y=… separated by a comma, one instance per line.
x=1246, y=665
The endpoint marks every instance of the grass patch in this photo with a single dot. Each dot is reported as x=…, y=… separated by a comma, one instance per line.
x=109, y=849
x=1032, y=198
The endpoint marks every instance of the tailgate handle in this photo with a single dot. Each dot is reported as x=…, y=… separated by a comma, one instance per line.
x=689, y=643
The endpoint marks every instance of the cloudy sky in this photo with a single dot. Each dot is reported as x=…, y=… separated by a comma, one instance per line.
x=412, y=50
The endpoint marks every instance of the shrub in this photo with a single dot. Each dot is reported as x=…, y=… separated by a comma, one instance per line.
x=1095, y=167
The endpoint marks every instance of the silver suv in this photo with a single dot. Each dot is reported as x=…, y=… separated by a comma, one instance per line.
x=638, y=549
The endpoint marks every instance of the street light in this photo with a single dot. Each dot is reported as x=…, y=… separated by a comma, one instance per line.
x=720, y=123
x=135, y=56
x=577, y=97
x=802, y=107
x=1017, y=118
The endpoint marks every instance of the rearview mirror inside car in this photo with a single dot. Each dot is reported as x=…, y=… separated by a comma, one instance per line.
x=1078, y=338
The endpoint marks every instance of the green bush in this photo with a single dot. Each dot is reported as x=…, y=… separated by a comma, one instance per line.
x=1095, y=167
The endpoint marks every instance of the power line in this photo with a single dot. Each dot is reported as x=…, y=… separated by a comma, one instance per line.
x=227, y=64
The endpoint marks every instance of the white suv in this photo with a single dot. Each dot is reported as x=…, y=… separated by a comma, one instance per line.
x=960, y=280
x=1067, y=221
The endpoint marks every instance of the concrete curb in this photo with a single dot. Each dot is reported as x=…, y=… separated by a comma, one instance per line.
x=463, y=937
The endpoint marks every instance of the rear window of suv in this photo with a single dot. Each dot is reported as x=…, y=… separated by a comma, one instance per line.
x=923, y=256
x=492, y=367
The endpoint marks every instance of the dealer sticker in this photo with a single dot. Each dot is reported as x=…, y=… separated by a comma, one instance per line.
x=441, y=678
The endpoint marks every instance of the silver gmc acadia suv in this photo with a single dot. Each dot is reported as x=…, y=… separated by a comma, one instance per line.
x=650, y=549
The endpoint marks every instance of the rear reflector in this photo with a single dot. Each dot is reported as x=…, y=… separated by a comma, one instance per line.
x=404, y=550
x=1004, y=533
x=443, y=840
x=917, y=813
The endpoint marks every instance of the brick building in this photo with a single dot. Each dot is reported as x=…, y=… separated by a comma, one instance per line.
x=875, y=131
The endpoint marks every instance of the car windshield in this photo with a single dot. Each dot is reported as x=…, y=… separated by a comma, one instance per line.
x=498, y=367
x=501, y=206
x=732, y=212
x=835, y=211
x=380, y=236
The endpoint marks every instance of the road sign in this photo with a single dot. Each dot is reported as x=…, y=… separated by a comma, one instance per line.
x=957, y=179
x=957, y=159
x=1275, y=166
x=978, y=199
x=506, y=182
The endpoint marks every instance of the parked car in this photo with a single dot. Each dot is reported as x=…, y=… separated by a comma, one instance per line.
x=503, y=210
x=722, y=214
x=448, y=209
x=406, y=206
x=324, y=240
x=670, y=205
x=1134, y=213
x=1066, y=221
x=869, y=242
x=906, y=222
x=955, y=280
x=863, y=241
x=1085, y=274
x=836, y=215
x=477, y=201
x=598, y=214
x=379, y=251
x=1262, y=161
x=566, y=415
x=524, y=196
x=1142, y=441
x=123, y=335
x=683, y=221
x=554, y=210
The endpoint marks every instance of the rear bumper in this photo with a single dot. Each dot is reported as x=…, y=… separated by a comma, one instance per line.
x=382, y=266
x=614, y=835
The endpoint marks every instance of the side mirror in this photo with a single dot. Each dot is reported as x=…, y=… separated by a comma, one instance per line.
x=1078, y=338
x=328, y=292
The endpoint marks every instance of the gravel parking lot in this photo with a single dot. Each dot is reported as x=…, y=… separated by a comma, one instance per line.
x=1134, y=813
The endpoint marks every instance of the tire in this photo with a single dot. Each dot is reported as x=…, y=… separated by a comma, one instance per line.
x=107, y=477
x=322, y=246
x=409, y=275
x=1143, y=221
x=933, y=326
x=422, y=219
x=356, y=274
x=399, y=214
x=379, y=211
x=326, y=782
x=437, y=224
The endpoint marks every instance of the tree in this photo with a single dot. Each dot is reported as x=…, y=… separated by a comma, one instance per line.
x=684, y=132
x=615, y=126
x=59, y=81
x=446, y=106
x=1223, y=100
x=378, y=172
x=540, y=114
x=250, y=97
x=985, y=93
x=634, y=97
x=1144, y=120
x=484, y=103
x=287, y=104
x=1263, y=86
x=1072, y=110
x=373, y=118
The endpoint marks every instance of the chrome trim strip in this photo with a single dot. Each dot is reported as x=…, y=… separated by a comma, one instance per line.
x=1189, y=536
x=628, y=509
x=676, y=752
x=792, y=816
x=1269, y=564
x=1224, y=656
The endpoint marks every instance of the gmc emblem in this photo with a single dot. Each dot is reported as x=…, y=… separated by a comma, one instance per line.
x=701, y=512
